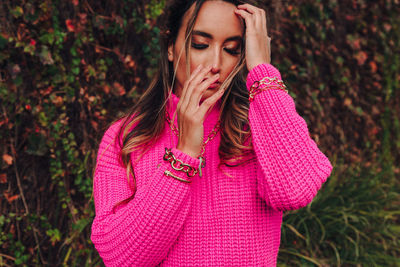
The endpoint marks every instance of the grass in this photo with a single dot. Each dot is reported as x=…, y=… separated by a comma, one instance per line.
x=354, y=221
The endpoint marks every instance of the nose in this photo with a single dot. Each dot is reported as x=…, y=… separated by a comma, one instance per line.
x=216, y=62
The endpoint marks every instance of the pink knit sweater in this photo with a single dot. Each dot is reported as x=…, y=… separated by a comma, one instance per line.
x=217, y=220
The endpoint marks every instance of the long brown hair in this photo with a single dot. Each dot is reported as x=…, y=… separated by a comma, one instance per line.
x=145, y=122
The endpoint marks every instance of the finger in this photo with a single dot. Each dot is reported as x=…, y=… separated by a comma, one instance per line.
x=264, y=22
x=201, y=88
x=209, y=102
x=258, y=14
x=247, y=18
x=186, y=86
x=251, y=9
x=192, y=84
x=199, y=77
x=194, y=73
x=194, y=88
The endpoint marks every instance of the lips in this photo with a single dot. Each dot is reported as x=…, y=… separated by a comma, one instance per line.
x=214, y=85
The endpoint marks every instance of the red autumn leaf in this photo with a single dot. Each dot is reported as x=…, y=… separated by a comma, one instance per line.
x=32, y=42
x=3, y=122
x=5, y=35
x=387, y=27
x=361, y=57
x=94, y=124
x=58, y=101
x=75, y=2
x=106, y=89
x=3, y=178
x=70, y=25
x=347, y=102
x=377, y=85
x=46, y=91
x=373, y=131
x=373, y=66
x=333, y=48
x=9, y=197
x=8, y=159
x=375, y=110
x=120, y=90
x=356, y=44
x=98, y=50
x=355, y=4
x=83, y=18
x=129, y=61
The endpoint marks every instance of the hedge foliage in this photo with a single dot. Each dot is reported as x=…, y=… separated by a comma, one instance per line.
x=69, y=67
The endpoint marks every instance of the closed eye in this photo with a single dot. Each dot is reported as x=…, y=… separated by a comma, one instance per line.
x=232, y=51
x=199, y=46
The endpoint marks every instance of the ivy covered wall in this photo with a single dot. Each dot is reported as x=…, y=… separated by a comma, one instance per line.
x=68, y=68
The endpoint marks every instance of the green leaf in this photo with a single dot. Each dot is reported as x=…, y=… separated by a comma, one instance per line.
x=54, y=235
x=3, y=42
x=75, y=70
x=17, y=11
x=76, y=61
x=47, y=38
x=80, y=225
x=73, y=51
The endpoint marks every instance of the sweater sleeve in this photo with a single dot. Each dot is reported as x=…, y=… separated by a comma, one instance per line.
x=292, y=168
x=140, y=232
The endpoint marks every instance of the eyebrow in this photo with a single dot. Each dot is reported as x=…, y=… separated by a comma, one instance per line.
x=209, y=36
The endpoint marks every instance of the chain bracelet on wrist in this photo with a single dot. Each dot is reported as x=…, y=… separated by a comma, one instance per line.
x=178, y=165
x=265, y=84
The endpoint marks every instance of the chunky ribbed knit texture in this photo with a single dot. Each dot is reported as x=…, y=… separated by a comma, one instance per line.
x=229, y=217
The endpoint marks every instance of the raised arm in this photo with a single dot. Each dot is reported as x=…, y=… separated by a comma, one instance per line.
x=292, y=168
x=140, y=232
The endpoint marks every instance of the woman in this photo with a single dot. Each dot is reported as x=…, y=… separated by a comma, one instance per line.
x=199, y=172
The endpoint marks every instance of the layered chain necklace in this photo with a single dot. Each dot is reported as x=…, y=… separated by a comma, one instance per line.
x=210, y=137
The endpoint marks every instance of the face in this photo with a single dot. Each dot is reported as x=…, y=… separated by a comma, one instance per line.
x=216, y=41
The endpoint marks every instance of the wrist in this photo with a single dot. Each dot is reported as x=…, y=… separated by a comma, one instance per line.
x=188, y=151
x=261, y=62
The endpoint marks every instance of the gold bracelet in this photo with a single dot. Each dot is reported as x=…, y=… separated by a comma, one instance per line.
x=168, y=173
x=178, y=165
x=265, y=84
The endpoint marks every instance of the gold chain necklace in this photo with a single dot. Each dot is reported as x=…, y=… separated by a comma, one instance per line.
x=210, y=137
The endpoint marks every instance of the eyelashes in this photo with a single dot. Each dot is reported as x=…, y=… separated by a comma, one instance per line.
x=199, y=46
x=233, y=52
